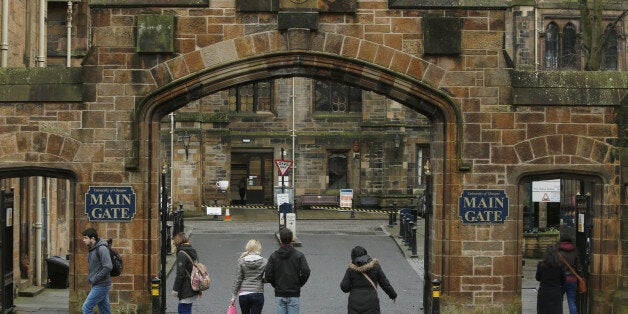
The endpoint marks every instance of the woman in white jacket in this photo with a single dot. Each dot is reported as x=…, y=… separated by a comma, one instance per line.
x=248, y=284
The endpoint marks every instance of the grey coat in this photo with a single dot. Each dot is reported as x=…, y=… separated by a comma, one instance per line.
x=249, y=274
x=100, y=264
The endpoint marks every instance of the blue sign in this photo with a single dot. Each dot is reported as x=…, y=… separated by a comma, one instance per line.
x=483, y=206
x=110, y=203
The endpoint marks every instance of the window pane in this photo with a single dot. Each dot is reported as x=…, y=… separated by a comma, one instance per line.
x=339, y=97
x=264, y=99
x=321, y=96
x=551, y=46
x=570, y=55
x=609, y=49
x=355, y=99
x=232, y=99
x=245, y=94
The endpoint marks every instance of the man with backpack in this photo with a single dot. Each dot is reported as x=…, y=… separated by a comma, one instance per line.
x=99, y=273
x=182, y=287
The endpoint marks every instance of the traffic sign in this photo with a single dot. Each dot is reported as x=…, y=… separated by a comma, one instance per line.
x=283, y=166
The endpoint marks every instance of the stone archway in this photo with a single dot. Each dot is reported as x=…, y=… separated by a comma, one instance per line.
x=437, y=106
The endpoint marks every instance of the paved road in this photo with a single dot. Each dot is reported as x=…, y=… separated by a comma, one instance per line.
x=327, y=246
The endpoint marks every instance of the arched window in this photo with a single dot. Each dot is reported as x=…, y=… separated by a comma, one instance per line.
x=254, y=97
x=335, y=97
x=551, y=46
x=570, y=55
x=609, y=49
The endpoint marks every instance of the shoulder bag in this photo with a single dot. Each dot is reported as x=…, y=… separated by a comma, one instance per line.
x=582, y=284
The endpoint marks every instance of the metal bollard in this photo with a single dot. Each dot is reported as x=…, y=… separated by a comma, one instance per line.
x=413, y=242
x=390, y=219
x=435, y=296
x=407, y=230
x=401, y=231
x=154, y=292
x=394, y=213
x=168, y=238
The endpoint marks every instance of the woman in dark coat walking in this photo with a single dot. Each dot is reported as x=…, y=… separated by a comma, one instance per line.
x=182, y=288
x=362, y=291
x=551, y=277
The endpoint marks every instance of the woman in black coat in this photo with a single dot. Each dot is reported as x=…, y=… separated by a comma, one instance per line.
x=182, y=288
x=551, y=277
x=362, y=292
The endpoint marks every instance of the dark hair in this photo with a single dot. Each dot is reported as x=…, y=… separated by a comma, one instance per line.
x=357, y=252
x=550, y=257
x=90, y=233
x=285, y=236
x=565, y=238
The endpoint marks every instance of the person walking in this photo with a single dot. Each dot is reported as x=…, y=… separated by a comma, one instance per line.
x=249, y=284
x=360, y=281
x=98, y=274
x=551, y=277
x=287, y=271
x=182, y=287
x=568, y=251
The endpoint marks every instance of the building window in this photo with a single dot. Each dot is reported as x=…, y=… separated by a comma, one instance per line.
x=570, y=53
x=551, y=46
x=609, y=49
x=336, y=98
x=422, y=155
x=337, y=170
x=254, y=97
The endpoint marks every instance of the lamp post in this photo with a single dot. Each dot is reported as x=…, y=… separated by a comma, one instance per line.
x=427, y=211
x=186, y=143
x=164, y=224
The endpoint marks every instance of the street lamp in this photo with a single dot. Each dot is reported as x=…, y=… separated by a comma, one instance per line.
x=186, y=143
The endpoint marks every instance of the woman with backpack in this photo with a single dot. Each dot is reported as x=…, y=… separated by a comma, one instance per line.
x=248, y=285
x=182, y=287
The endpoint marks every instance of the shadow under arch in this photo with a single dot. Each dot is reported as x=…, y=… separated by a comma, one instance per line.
x=37, y=171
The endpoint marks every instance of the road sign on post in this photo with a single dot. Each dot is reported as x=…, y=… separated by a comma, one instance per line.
x=283, y=166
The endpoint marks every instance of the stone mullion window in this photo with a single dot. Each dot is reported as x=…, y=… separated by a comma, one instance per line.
x=570, y=54
x=551, y=46
x=334, y=97
x=609, y=49
x=254, y=97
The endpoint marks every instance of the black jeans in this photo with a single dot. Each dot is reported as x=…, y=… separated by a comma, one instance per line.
x=251, y=303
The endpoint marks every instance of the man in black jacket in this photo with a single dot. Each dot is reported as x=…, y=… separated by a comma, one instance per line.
x=287, y=271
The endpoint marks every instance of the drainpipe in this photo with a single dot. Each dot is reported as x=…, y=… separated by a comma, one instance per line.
x=293, y=136
x=38, y=227
x=41, y=55
x=536, y=42
x=5, y=36
x=69, y=38
x=172, y=152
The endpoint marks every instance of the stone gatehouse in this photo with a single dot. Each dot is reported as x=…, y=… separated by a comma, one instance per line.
x=358, y=94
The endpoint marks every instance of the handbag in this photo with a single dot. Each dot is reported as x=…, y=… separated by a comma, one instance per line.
x=582, y=283
x=232, y=309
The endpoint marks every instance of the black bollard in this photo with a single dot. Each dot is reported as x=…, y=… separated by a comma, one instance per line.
x=435, y=296
x=154, y=292
x=401, y=231
x=410, y=227
x=390, y=219
x=394, y=219
x=413, y=246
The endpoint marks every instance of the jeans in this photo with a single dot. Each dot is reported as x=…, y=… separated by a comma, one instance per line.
x=99, y=295
x=251, y=303
x=287, y=305
x=185, y=308
x=570, y=290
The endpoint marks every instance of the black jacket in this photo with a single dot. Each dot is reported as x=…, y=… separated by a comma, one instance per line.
x=184, y=268
x=287, y=271
x=362, y=296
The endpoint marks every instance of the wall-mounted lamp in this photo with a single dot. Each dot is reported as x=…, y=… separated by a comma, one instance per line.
x=356, y=149
x=397, y=140
x=186, y=143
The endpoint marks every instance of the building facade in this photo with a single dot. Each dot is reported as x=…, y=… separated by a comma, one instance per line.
x=518, y=107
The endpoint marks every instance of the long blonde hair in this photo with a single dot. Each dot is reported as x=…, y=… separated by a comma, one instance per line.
x=253, y=246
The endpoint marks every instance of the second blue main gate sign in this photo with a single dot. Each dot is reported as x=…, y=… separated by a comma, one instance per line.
x=483, y=206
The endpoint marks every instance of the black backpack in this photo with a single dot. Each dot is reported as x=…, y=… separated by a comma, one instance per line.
x=116, y=260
